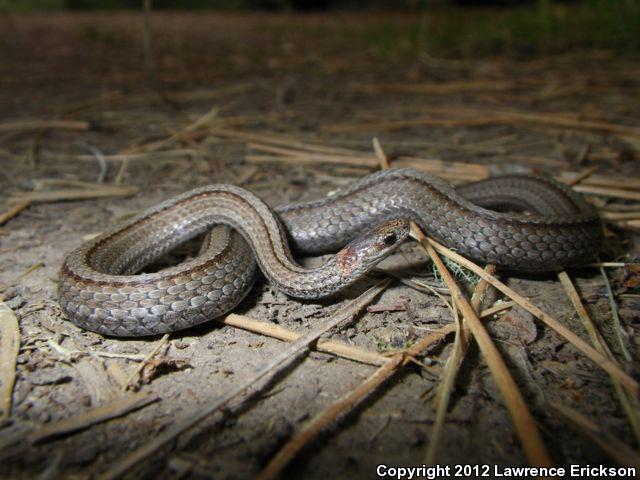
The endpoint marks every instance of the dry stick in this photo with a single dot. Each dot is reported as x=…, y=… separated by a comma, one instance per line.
x=617, y=216
x=471, y=171
x=340, y=349
x=452, y=368
x=444, y=388
x=631, y=224
x=276, y=139
x=9, y=347
x=13, y=211
x=50, y=183
x=520, y=414
x=629, y=403
x=23, y=201
x=28, y=271
x=592, y=184
x=277, y=364
x=463, y=172
x=134, y=376
x=326, y=154
x=468, y=116
x=124, y=157
x=391, y=125
x=434, y=88
x=497, y=308
x=614, y=314
x=609, y=264
x=608, y=192
x=73, y=194
x=306, y=159
x=596, y=180
x=43, y=125
x=346, y=404
x=551, y=322
x=617, y=450
x=197, y=124
x=114, y=409
x=354, y=156
x=582, y=176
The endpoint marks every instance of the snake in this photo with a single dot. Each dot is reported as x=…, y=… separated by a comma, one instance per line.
x=518, y=222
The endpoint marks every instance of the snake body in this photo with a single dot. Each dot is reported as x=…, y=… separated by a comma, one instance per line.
x=99, y=291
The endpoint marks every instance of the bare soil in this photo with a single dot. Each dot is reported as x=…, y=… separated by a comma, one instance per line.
x=298, y=76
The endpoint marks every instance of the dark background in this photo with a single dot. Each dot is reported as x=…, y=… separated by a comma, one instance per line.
x=456, y=28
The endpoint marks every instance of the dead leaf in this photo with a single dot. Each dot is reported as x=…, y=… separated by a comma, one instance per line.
x=522, y=326
x=157, y=367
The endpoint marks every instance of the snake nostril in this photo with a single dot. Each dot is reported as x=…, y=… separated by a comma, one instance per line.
x=390, y=239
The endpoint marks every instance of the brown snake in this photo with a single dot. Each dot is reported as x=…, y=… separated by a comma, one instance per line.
x=99, y=291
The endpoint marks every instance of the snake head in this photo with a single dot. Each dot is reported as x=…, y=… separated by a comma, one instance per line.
x=368, y=249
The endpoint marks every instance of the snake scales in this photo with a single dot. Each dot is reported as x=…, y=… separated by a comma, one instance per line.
x=99, y=291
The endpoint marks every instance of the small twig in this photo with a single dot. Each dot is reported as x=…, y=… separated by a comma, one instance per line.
x=100, y=191
x=619, y=216
x=136, y=373
x=102, y=162
x=608, y=264
x=580, y=177
x=346, y=404
x=617, y=450
x=277, y=364
x=433, y=88
x=445, y=387
x=608, y=192
x=597, y=180
x=452, y=367
x=497, y=308
x=9, y=347
x=125, y=157
x=520, y=414
x=629, y=404
x=474, y=116
x=68, y=355
x=43, y=125
x=13, y=210
x=24, y=200
x=550, y=321
x=29, y=270
x=289, y=150
x=328, y=346
x=278, y=139
x=114, y=409
x=198, y=124
x=614, y=315
x=382, y=157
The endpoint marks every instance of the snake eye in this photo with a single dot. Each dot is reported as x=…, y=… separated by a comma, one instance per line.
x=390, y=239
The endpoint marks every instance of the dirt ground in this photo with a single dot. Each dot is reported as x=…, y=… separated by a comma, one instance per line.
x=312, y=78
